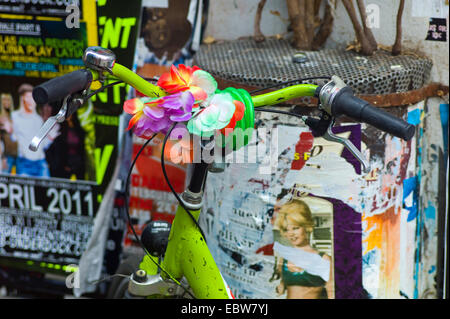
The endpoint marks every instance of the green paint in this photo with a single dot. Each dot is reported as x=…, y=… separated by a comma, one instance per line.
x=102, y=161
x=282, y=95
x=116, y=93
x=127, y=24
x=70, y=268
x=102, y=96
x=148, y=265
x=111, y=33
x=114, y=29
x=102, y=20
x=188, y=255
x=136, y=81
x=109, y=120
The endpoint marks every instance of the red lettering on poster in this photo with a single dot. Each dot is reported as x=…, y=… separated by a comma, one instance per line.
x=302, y=150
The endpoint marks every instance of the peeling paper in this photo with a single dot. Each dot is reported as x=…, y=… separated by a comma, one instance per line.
x=240, y=211
x=377, y=221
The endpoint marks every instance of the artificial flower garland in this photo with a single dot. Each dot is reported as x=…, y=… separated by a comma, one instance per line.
x=193, y=103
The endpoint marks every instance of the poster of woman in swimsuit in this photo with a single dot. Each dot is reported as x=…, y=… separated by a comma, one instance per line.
x=303, y=248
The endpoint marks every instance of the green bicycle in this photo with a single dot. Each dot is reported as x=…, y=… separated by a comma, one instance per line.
x=187, y=103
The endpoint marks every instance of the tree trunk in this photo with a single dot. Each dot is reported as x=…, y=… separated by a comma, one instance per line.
x=296, y=9
x=317, y=4
x=325, y=28
x=309, y=30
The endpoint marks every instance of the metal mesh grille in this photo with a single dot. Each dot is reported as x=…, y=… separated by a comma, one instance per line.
x=270, y=62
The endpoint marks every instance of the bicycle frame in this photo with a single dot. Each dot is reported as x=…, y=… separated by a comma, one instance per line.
x=187, y=253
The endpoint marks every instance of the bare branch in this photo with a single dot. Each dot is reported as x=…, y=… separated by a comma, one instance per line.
x=309, y=30
x=296, y=9
x=325, y=29
x=258, y=35
x=309, y=25
x=365, y=45
x=397, y=47
x=317, y=4
x=367, y=31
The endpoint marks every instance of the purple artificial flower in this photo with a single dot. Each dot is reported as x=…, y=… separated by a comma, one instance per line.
x=158, y=115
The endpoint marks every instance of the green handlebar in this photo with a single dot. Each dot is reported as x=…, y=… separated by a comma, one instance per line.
x=136, y=81
x=288, y=93
x=271, y=98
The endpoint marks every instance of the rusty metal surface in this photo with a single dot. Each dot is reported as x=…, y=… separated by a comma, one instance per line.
x=406, y=98
x=379, y=100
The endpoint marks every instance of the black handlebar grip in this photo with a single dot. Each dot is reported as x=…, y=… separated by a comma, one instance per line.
x=58, y=88
x=345, y=102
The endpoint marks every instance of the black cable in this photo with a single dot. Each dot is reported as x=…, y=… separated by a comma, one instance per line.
x=112, y=84
x=101, y=89
x=131, y=224
x=303, y=117
x=127, y=191
x=151, y=79
x=289, y=82
x=180, y=201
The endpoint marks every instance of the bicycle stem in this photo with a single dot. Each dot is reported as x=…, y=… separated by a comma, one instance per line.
x=198, y=177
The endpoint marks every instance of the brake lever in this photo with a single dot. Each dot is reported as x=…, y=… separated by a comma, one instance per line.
x=69, y=106
x=48, y=126
x=323, y=127
x=330, y=136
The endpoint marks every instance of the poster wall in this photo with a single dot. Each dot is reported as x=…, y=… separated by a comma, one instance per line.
x=277, y=229
x=170, y=33
x=50, y=198
x=293, y=216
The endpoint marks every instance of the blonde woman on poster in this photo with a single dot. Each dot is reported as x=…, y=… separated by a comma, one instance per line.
x=304, y=272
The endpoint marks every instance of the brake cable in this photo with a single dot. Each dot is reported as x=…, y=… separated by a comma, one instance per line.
x=131, y=224
x=126, y=194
